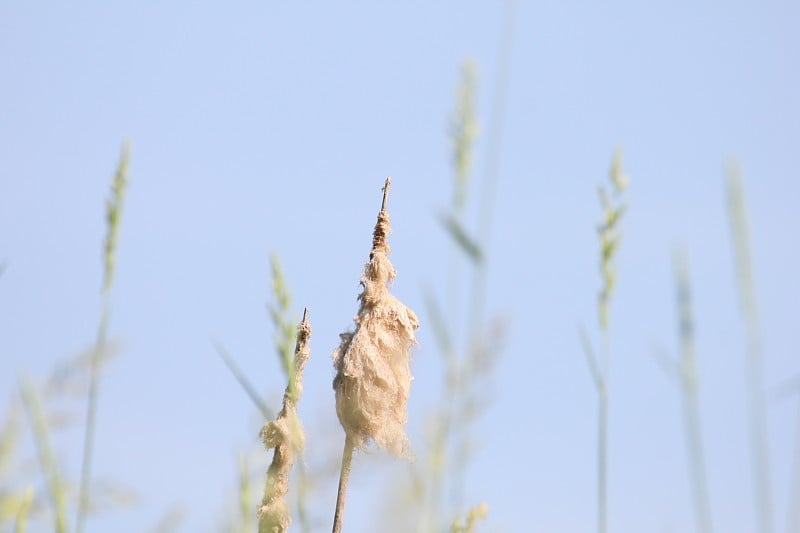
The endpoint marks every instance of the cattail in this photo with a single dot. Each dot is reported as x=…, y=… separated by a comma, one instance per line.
x=285, y=435
x=373, y=378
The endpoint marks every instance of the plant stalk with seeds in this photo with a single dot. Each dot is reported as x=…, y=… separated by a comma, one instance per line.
x=285, y=435
x=613, y=210
x=113, y=218
x=373, y=377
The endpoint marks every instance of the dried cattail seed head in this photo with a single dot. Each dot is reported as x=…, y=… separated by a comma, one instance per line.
x=373, y=376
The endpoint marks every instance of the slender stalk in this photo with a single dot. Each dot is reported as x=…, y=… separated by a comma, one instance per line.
x=691, y=411
x=344, y=477
x=793, y=522
x=696, y=463
x=113, y=217
x=755, y=382
x=608, y=232
x=248, y=387
x=91, y=414
x=602, y=445
x=493, y=138
x=47, y=460
x=602, y=437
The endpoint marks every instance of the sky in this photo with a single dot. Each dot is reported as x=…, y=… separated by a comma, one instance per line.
x=259, y=128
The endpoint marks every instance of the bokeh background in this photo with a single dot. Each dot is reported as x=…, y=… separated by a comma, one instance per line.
x=269, y=127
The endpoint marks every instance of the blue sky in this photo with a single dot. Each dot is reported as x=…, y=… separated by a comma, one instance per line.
x=270, y=127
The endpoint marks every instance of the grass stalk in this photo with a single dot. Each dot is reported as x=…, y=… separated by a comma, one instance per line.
x=113, y=217
x=614, y=208
x=793, y=521
x=47, y=460
x=457, y=378
x=689, y=392
x=755, y=383
x=493, y=139
x=248, y=387
x=602, y=436
x=602, y=462
x=21, y=521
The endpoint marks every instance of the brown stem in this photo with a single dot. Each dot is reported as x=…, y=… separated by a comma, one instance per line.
x=386, y=192
x=344, y=476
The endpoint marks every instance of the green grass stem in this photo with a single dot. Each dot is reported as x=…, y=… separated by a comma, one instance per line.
x=47, y=461
x=689, y=392
x=113, y=219
x=248, y=387
x=743, y=263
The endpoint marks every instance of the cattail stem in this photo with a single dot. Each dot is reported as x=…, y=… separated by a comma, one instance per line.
x=386, y=192
x=344, y=477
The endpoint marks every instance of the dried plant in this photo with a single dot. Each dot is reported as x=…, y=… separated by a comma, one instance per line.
x=285, y=436
x=373, y=375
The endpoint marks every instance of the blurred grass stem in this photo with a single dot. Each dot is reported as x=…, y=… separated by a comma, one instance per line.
x=755, y=382
x=113, y=216
x=689, y=388
x=47, y=460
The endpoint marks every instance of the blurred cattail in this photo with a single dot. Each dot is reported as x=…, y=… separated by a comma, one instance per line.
x=373, y=378
x=285, y=435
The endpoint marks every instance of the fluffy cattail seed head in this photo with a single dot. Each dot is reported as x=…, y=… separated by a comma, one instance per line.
x=285, y=435
x=373, y=377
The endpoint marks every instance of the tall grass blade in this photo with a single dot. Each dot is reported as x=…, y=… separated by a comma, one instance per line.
x=466, y=244
x=743, y=263
x=689, y=388
x=248, y=387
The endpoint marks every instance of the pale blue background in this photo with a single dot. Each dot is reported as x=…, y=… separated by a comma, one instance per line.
x=259, y=127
